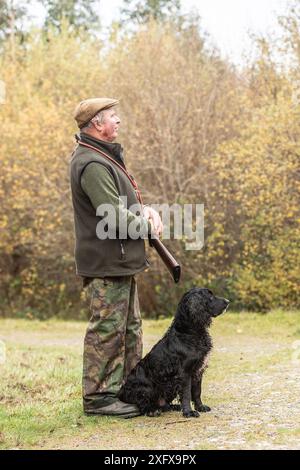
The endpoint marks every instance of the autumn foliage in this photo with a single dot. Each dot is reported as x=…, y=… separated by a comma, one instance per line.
x=195, y=130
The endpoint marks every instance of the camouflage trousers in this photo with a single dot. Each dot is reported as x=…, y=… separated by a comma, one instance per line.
x=113, y=340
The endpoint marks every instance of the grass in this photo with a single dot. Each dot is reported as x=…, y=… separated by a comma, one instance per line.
x=252, y=385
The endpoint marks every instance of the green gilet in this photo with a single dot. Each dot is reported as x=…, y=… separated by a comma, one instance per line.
x=96, y=257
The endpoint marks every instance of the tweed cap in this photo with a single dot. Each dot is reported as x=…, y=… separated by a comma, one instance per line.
x=87, y=109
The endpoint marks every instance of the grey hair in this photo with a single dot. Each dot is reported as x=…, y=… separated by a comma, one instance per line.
x=99, y=117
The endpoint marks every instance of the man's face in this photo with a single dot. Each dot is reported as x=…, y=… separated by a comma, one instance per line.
x=110, y=125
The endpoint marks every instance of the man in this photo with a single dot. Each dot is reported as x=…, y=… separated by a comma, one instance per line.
x=108, y=265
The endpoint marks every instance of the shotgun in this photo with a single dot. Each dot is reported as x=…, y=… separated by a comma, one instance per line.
x=166, y=257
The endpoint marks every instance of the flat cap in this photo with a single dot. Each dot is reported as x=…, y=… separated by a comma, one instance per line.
x=87, y=109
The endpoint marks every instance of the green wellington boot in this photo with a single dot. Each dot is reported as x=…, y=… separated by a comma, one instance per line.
x=118, y=409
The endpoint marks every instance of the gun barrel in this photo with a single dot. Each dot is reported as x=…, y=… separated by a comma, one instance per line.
x=167, y=258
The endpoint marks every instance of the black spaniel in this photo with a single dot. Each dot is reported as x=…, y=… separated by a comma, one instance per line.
x=175, y=365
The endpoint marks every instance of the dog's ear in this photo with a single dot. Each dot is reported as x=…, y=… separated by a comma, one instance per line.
x=198, y=313
x=196, y=309
x=192, y=312
x=194, y=304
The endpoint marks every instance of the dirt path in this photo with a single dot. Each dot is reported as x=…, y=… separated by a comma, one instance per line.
x=259, y=410
x=252, y=386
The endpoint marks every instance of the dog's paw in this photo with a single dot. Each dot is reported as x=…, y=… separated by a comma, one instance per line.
x=169, y=407
x=203, y=408
x=154, y=414
x=175, y=408
x=191, y=414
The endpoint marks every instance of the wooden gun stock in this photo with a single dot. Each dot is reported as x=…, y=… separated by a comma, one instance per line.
x=167, y=258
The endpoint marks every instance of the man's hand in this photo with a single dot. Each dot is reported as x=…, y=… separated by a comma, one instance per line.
x=155, y=220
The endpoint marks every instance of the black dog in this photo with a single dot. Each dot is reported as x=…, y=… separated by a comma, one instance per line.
x=175, y=365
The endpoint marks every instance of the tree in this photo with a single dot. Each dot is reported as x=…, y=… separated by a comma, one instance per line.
x=79, y=13
x=11, y=15
x=290, y=23
x=40, y=107
x=140, y=11
x=195, y=132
